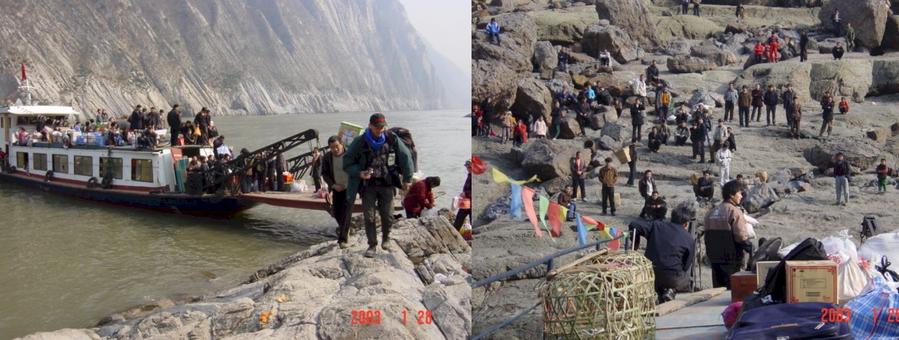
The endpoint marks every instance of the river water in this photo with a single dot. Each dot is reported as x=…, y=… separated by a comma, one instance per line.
x=67, y=263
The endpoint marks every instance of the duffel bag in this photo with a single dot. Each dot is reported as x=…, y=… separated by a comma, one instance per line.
x=790, y=321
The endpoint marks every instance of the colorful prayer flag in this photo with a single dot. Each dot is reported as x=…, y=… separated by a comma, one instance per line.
x=515, y=203
x=596, y=224
x=527, y=195
x=614, y=245
x=501, y=178
x=555, y=221
x=544, y=206
x=581, y=231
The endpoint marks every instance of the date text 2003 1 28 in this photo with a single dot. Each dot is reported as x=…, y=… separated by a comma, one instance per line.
x=844, y=314
x=369, y=317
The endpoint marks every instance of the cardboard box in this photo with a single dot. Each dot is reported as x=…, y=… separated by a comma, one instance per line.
x=349, y=131
x=762, y=268
x=742, y=284
x=624, y=155
x=812, y=281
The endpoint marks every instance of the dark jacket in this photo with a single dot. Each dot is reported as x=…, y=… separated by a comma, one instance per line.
x=670, y=247
x=643, y=187
x=827, y=108
x=466, y=188
x=787, y=100
x=732, y=142
x=841, y=168
x=574, y=169
x=174, y=120
x=357, y=158
x=637, y=114
x=770, y=98
x=698, y=133
x=136, y=120
x=745, y=99
x=153, y=119
x=327, y=168
x=757, y=98
x=838, y=52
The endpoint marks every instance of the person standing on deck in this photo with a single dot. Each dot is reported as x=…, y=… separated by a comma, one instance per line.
x=137, y=119
x=338, y=181
x=174, y=121
x=366, y=163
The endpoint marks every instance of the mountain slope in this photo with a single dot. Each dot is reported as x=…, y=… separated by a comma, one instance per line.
x=233, y=56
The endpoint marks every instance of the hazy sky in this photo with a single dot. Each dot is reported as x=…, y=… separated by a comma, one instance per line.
x=446, y=25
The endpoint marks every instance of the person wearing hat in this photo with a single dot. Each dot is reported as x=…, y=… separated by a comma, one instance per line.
x=366, y=164
x=466, y=195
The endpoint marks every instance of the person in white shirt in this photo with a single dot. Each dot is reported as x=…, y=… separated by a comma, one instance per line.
x=605, y=58
x=538, y=127
x=723, y=157
x=639, y=86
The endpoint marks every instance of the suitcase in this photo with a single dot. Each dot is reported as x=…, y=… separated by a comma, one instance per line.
x=789, y=321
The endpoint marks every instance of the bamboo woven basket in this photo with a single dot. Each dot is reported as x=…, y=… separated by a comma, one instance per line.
x=601, y=296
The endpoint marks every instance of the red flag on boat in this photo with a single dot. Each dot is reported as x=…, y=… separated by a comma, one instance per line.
x=23, y=72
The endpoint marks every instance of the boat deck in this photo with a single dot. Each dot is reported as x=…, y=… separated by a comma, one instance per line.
x=305, y=200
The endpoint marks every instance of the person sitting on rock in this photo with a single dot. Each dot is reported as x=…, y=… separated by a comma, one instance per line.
x=681, y=134
x=838, y=51
x=759, y=52
x=844, y=105
x=654, y=141
x=682, y=115
x=704, y=188
x=605, y=58
x=654, y=207
x=652, y=74
x=493, y=30
x=670, y=248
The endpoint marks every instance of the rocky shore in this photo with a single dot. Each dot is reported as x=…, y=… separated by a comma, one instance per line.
x=697, y=57
x=314, y=293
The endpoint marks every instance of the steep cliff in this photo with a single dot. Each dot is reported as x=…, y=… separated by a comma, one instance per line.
x=233, y=56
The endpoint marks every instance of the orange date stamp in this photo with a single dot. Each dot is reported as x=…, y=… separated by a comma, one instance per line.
x=373, y=317
x=844, y=314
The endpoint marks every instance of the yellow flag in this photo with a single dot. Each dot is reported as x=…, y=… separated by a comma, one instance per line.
x=564, y=213
x=500, y=177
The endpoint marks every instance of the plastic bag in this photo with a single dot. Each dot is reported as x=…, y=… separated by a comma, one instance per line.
x=886, y=244
x=850, y=277
x=750, y=225
x=878, y=300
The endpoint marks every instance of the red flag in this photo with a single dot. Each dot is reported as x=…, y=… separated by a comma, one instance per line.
x=527, y=197
x=23, y=72
x=477, y=165
x=555, y=219
x=589, y=220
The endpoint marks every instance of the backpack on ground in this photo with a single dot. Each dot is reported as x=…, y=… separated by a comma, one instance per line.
x=774, y=289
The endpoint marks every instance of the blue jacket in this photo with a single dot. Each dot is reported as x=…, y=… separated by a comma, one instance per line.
x=493, y=27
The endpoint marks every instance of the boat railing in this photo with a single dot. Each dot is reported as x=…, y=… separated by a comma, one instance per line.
x=546, y=260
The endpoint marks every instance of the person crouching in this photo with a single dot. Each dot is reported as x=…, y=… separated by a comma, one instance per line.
x=420, y=197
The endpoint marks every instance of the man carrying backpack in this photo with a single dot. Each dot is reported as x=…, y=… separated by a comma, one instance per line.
x=370, y=175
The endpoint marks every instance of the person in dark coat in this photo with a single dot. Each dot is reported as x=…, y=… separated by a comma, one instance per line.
x=637, y=119
x=137, y=119
x=174, y=121
x=698, y=135
x=770, y=100
x=647, y=185
x=757, y=103
x=654, y=207
x=803, y=46
x=466, y=194
x=838, y=51
x=632, y=149
x=827, y=105
x=670, y=248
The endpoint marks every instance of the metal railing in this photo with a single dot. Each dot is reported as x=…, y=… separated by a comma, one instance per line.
x=548, y=261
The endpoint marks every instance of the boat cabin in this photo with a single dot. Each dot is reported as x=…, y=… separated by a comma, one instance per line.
x=60, y=151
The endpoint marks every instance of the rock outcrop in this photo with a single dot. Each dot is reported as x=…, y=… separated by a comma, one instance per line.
x=598, y=38
x=533, y=97
x=493, y=82
x=688, y=64
x=234, y=57
x=547, y=160
x=632, y=16
x=868, y=18
x=860, y=153
x=545, y=56
x=684, y=27
x=314, y=294
x=516, y=44
x=891, y=34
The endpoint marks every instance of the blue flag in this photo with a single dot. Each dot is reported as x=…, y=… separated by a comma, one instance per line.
x=581, y=231
x=516, y=204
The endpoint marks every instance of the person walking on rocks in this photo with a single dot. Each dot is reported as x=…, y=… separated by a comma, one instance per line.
x=826, y=115
x=578, y=168
x=608, y=176
x=366, y=164
x=637, y=119
x=698, y=135
x=788, y=101
x=744, y=103
x=338, y=181
x=770, y=99
x=794, y=117
x=838, y=51
x=844, y=106
x=757, y=103
x=841, y=175
x=850, y=37
x=726, y=235
x=883, y=171
x=723, y=158
x=632, y=165
x=493, y=31
x=730, y=99
x=803, y=46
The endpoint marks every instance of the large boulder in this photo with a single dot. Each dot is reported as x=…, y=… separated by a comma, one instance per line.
x=632, y=16
x=564, y=27
x=759, y=196
x=612, y=38
x=710, y=52
x=850, y=78
x=517, y=42
x=778, y=74
x=532, y=97
x=569, y=128
x=615, y=85
x=545, y=56
x=494, y=82
x=885, y=77
x=868, y=18
x=891, y=34
x=700, y=95
x=612, y=130
x=861, y=153
x=684, y=27
x=688, y=64
x=546, y=159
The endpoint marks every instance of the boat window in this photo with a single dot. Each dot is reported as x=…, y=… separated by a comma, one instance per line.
x=84, y=166
x=115, y=163
x=40, y=161
x=142, y=170
x=22, y=160
x=61, y=164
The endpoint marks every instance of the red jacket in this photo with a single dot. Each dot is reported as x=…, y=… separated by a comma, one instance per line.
x=522, y=131
x=419, y=197
x=759, y=49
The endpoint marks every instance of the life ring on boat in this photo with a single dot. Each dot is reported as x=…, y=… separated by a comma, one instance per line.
x=48, y=176
x=93, y=183
x=106, y=183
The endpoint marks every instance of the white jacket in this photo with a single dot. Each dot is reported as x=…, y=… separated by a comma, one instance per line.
x=723, y=157
x=539, y=128
x=639, y=87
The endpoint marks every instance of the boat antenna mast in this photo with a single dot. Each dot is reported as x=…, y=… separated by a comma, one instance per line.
x=25, y=86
